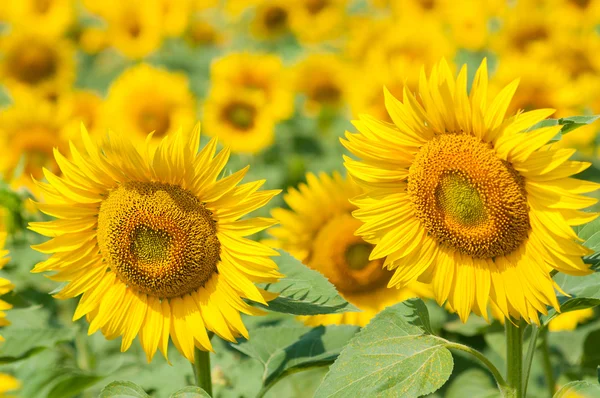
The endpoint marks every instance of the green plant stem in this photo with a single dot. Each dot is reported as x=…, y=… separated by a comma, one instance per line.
x=535, y=331
x=202, y=370
x=514, y=360
x=548, y=371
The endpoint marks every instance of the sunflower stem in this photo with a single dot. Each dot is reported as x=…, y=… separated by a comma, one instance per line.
x=514, y=359
x=202, y=370
x=548, y=371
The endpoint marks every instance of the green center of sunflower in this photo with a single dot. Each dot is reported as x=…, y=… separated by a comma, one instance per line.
x=240, y=115
x=357, y=255
x=459, y=199
x=467, y=198
x=158, y=238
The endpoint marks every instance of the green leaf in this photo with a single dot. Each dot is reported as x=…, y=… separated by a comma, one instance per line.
x=582, y=389
x=394, y=355
x=21, y=343
x=284, y=349
x=72, y=385
x=190, y=392
x=591, y=355
x=572, y=122
x=584, y=291
x=304, y=291
x=123, y=389
x=473, y=383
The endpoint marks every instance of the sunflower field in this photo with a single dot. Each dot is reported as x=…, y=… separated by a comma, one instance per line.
x=299, y=198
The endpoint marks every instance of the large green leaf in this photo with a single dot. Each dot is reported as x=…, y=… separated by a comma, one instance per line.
x=21, y=343
x=304, y=291
x=284, y=349
x=190, y=392
x=394, y=355
x=123, y=389
x=583, y=389
x=73, y=384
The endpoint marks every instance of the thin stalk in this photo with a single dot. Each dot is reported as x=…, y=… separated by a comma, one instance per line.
x=535, y=331
x=548, y=371
x=202, y=370
x=495, y=372
x=514, y=359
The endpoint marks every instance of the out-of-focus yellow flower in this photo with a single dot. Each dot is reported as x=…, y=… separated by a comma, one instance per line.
x=469, y=21
x=45, y=17
x=239, y=119
x=260, y=74
x=271, y=19
x=29, y=131
x=367, y=95
x=235, y=8
x=148, y=99
x=135, y=27
x=175, y=16
x=317, y=20
x=82, y=107
x=319, y=230
x=570, y=320
x=201, y=31
x=32, y=62
x=323, y=79
x=93, y=40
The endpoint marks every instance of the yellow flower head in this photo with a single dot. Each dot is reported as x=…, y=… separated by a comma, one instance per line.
x=462, y=196
x=240, y=119
x=258, y=74
x=202, y=31
x=153, y=241
x=570, y=320
x=145, y=99
x=317, y=20
x=29, y=131
x=175, y=16
x=319, y=230
x=46, y=17
x=322, y=78
x=32, y=62
x=271, y=19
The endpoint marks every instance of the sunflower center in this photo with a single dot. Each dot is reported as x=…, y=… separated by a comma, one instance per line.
x=344, y=258
x=275, y=18
x=155, y=119
x=468, y=198
x=240, y=115
x=327, y=94
x=42, y=6
x=33, y=63
x=315, y=6
x=158, y=238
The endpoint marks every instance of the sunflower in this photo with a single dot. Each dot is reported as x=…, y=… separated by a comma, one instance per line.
x=29, y=131
x=317, y=20
x=135, y=27
x=145, y=98
x=7, y=382
x=319, y=230
x=239, y=119
x=153, y=241
x=271, y=19
x=202, y=31
x=570, y=320
x=82, y=106
x=262, y=74
x=459, y=195
x=48, y=17
x=175, y=16
x=32, y=62
x=322, y=78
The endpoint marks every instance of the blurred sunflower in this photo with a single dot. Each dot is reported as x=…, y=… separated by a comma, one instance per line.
x=7, y=382
x=82, y=106
x=175, y=16
x=135, y=27
x=29, y=131
x=153, y=241
x=201, y=31
x=260, y=74
x=367, y=96
x=35, y=62
x=460, y=196
x=570, y=320
x=45, y=17
x=240, y=119
x=317, y=20
x=145, y=99
x=322, y=78
x=271, y=19
x=319, y=230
